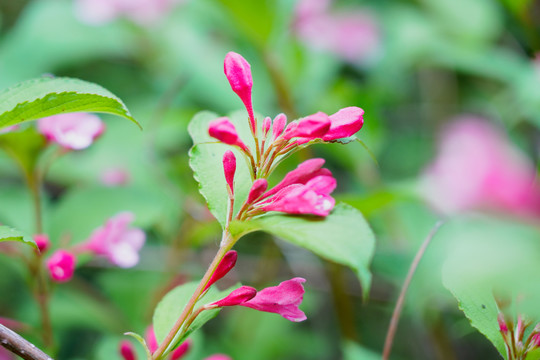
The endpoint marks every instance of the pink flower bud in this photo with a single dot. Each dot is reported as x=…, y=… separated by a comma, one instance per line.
x=226, y=264
x=236, y=297
x=61, y=266
x=346, y=122
x=267, y=123
x=257, y=189
x=182, y=350
x=238, y=72
x=127, y=350
x=9, y=129
x=278, y=125
x=75, y=131
x=311, y=127
x=502, y=324
x=225, y=131
x=229, y=167
x=535, y=340
x=150, y=338
x=283, y=299
x=42, y=242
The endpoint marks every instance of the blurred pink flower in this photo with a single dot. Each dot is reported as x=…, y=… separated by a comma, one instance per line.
x=115, y=176
x=218, y=357
x=351, y=34
x=42, y=241
x=478, y=168
x=283, y=299
x=127, y=350
x=61, y=265
x=118, y=242
x=75, y=131
x=6, y=354
x=151, y=342
x=9, y=129
x=143, y=12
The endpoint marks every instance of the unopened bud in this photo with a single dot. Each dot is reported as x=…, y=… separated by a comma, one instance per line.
x=42, y=242
x=236, y=297
x=257, y=189
x=229, y=168
x=238, y=72
x=226, y=264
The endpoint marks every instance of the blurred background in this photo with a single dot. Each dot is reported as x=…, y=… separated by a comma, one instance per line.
x=451, y=95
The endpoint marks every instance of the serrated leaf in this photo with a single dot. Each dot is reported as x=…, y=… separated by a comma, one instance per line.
x=38, y=98
x=205, y=159
x=171, y=306
x=9, y=234
x=344, y=236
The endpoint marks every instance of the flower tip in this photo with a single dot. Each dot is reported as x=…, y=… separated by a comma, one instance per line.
x=238, y=73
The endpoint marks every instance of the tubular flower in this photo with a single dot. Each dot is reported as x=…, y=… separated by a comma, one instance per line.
x=283, y=299
x=278, y=125
x=236, y=297
x=238, y=72
x=61, y=265
x=118, y=242
x=311, y=127
x=127, y=350
x=346, y=122
x=74, y=131
x=229, y=168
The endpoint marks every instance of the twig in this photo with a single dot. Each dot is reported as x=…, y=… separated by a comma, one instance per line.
x=18, y=345
x=401, y=299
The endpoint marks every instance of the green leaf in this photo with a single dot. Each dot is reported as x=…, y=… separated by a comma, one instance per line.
x=38, y=98
x=24, y=147
x=9, y=234
x=492, y=259
x=171, y=306
x=354, y=351
x=344, y=236
x=205, y=159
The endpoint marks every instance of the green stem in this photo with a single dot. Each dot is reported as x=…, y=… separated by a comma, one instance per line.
x=401, y=299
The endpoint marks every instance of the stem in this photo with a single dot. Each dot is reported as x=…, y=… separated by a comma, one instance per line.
x=18, y=345
x=401, y=299
x=227, y=245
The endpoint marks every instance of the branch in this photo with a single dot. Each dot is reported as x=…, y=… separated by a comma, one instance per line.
x=18, y=345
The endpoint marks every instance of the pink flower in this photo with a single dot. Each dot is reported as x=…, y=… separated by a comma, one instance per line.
x=9, y=129
x=114, y=177
x=257, y=189
x=351, y=34
x=229, y=167
x=312, y=198
x=535, y=340
x=127, y=350
x=218, y=357
x=267, y=124
x=225, y=265
x=224, y=130
x=283, y=299
x=75, y=131
x=279, y=124
x=478, y=168
x=346, y=122
x=61, y=265
x=236, y=297
x=150, y=338
x=238, y=72
x=181, y=350
x=143, y=12
x=116, y=241
x=311, y=127
x=42, y=241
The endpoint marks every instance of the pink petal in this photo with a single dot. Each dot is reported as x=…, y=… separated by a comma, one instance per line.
x=346, y=122
x=42, y=241
x=150, y=338
x=127, y=350
x=181, y=350
x=257, y=189
x=311, y=127
x=238, y=72
x=229, y=167
x=279, y=124
x=61, y=266
x=75, y=131
x=236, y=297
x=283, y=299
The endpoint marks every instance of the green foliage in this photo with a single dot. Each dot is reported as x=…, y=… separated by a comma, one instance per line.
x=344, y=236
x=9, y=234
x=38, y=98
x=24, y=147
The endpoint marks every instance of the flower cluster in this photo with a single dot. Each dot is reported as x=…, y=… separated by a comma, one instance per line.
x=116, y=241
x=516, y=345
x=305, y=190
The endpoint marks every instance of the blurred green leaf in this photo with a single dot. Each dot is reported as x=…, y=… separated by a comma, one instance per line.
x=254, y=18
x=24, y=147
x=344, y=236
x=37, y=98
x=354, y=351
x=206, y=163
x=171, y=306
x=9, y=234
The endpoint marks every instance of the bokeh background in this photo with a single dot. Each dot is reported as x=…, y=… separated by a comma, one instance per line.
x=451, y=93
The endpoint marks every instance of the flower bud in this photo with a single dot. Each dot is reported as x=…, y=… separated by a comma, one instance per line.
x=236, y=297
x=278, y=125
x=311, y=127
x=226, y=264
x=42, y=241
x=127, y=350
x=257, y=189
x=238, y=72
x=229, y=167
x=267, y=123
x=61, y=266
x=225, y=131
x=346, y=122
x=181, y=350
